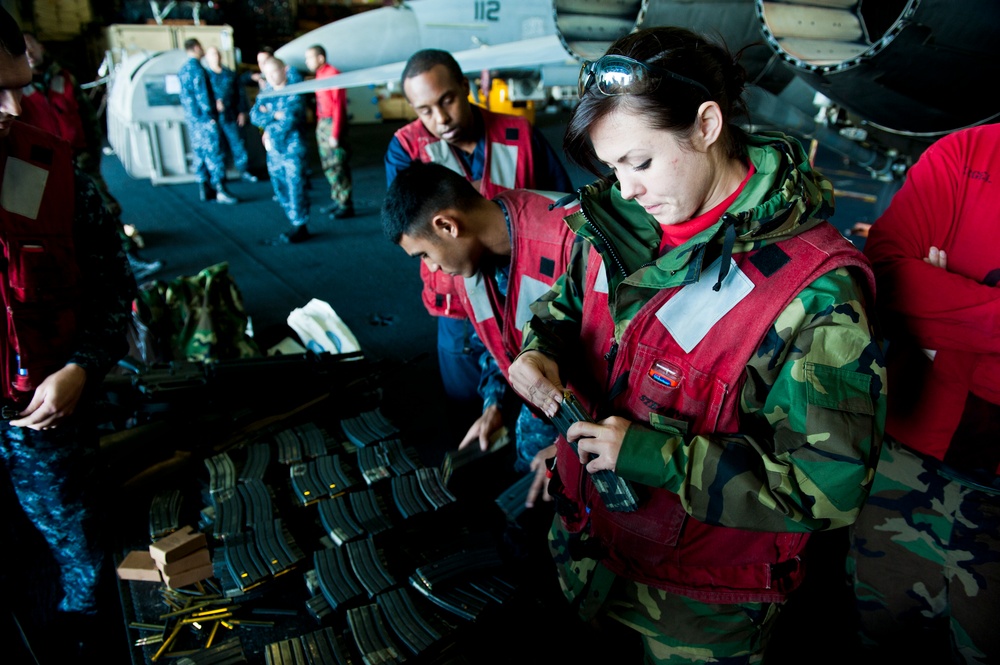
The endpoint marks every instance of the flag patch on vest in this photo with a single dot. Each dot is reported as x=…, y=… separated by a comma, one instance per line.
x=511, y=133
x=696, y=307
x=547, y=266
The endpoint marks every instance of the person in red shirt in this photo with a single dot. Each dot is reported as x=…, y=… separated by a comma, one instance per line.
x=331, y=136
x=925, y=552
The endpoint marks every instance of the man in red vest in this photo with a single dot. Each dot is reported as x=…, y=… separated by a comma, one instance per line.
x=504, y=253
x=494, y=152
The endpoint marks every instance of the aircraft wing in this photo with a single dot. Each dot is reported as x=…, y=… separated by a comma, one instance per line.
x=523, y=54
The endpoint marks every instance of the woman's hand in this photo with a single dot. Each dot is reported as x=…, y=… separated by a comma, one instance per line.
x=603, y=439
x=535, y=377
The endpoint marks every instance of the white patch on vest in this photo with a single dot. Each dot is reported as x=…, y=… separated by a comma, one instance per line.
x=440, y=153
x=23, y=187
x=692, y=312
x=475, y=288
x=503, y=165
x=531, y=290
x=601, y=283
x=58, y=84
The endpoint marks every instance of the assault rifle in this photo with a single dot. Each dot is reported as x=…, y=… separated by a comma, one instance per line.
x=245, y=382
x=163, y=380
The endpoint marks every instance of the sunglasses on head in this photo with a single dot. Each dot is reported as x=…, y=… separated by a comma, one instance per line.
x=621, y=75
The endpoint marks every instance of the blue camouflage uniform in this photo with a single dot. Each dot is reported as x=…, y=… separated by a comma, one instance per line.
x=53, y=472
x=201, y=117
x=282, y=118
x=226, y=86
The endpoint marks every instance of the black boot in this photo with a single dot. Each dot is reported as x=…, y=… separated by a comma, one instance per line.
x=294, y=234
x=205, y=191
x=343, y=212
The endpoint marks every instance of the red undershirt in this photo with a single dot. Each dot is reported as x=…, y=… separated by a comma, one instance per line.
x=675, y=235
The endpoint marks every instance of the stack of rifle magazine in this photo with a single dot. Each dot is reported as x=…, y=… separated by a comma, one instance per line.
x=164, y=513
x=616, y=492
x=368, y=427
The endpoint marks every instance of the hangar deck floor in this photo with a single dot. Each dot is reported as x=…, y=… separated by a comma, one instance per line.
x=374, y=288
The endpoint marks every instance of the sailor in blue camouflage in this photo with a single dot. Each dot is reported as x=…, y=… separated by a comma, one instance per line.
x=282, y=118
x=201, y=117
x=231, y=104
x=52, y=470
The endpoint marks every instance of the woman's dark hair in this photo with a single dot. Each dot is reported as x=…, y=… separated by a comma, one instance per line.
x=673, y=105
x=11, y=37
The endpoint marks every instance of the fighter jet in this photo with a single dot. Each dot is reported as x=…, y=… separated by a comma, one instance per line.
x=875, y=81
x=518, y=37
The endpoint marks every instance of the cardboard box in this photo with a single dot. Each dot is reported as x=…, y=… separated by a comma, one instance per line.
x=138, y=565
x=189, y=576
x=396, y=108
x=177, y=545
x=200, y=557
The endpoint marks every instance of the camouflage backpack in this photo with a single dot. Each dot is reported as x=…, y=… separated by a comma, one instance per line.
x=198, y=318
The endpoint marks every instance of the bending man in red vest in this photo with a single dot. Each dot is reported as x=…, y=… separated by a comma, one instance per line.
x=494, y=152
x=504, y=254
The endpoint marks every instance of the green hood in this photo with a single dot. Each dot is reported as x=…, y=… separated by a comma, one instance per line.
x=783, y=198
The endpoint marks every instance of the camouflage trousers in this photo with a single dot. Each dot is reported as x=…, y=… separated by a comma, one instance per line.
x=209, y=160
x=335, y=164
x=925, y=559
x=234, y=139
x=50, y=475
x=673, y=629
x=288, y=178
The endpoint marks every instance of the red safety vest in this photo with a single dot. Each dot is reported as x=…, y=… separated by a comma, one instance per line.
x=39, y=287
x=509, y=165
x=699, y=376
x=56, y=111
x=540, y=248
